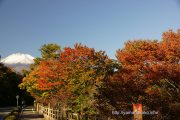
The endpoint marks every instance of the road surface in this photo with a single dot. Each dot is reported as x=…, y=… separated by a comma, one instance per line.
x=4, y=111
x=29, y=114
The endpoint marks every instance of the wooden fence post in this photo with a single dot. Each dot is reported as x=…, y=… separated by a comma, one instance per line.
x=37, y=107
x=48, y=112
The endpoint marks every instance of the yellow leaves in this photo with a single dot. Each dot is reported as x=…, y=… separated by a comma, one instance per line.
x=45, y=94
x=152, y=90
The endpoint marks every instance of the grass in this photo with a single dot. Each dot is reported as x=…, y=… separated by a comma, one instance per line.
x=13, y=115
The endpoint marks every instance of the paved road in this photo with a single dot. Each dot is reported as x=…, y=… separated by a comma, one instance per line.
x=4, y=111
x=29, y=114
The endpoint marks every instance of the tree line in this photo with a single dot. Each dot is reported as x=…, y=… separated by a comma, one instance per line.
x=9, y=81
x=83, y=80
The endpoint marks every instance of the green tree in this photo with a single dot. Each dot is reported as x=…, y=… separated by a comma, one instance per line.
x=49, y=51
x=9, y=81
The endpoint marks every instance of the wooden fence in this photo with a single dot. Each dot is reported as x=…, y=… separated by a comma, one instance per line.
x=52, y=114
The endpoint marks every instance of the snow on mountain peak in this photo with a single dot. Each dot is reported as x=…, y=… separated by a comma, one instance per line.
x=18, y=58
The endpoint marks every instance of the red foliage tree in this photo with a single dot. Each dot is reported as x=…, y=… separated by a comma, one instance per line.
x=150, y=75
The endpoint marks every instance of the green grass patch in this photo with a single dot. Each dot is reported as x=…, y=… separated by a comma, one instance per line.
x=14, y=115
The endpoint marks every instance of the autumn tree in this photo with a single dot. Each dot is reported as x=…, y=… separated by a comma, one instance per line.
x=48, y=52
x=150, y=75
x=73, y=81
x=86, y=71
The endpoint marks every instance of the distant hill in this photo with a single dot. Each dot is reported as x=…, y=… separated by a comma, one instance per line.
x=18, y=61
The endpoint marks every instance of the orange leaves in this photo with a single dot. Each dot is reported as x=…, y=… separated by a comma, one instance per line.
x=80, y=73
x=154, y=59
x=47, y=75
x=170, y=46
x=146, y=63
x=136, y=52
x=77, y=72
x=45, y=85
x=78, y=54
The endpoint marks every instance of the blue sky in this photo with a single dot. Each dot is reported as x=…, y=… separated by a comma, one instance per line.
x=25, y=25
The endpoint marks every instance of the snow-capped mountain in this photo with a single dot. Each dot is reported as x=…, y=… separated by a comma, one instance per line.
x=18, y=58
x=18, y=61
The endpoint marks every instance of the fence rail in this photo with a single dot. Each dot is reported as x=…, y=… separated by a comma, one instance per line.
x=52, y=114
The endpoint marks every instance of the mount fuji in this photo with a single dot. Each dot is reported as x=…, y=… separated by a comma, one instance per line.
x=18, y=61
